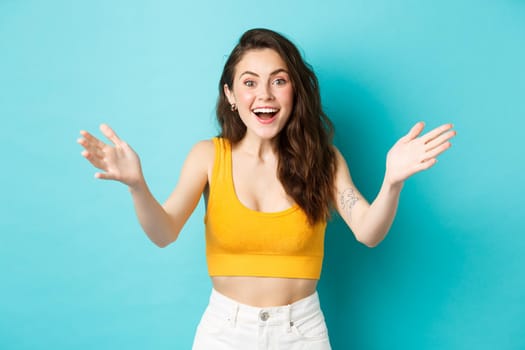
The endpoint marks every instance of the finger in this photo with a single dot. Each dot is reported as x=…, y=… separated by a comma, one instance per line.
x=415, y=131
x=426, y=164
x=438, y=150
x=110, y=134
x=90, y=139
x=104, y=176
x=91, y=150
x=94, y=146
x=440, y=139
x=96, y=161
x=429, y=136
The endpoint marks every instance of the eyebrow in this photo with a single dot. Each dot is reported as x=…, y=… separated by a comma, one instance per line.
x=277, y=71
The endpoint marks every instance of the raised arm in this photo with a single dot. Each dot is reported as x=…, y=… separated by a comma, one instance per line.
x=162, y=223
x=409, y=155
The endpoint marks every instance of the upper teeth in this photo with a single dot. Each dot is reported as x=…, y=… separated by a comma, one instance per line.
x=265, y=110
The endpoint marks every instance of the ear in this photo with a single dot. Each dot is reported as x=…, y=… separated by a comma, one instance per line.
x=229, y=94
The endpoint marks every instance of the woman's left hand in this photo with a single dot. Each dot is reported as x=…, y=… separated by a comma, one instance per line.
x=412, y=154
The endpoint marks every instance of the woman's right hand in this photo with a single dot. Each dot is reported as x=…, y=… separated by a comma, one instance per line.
x=118, y=161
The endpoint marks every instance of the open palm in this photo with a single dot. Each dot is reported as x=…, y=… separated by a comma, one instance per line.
x=412, y=154
x=118, y=161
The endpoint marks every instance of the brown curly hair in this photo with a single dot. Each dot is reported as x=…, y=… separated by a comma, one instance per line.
x=307, y=161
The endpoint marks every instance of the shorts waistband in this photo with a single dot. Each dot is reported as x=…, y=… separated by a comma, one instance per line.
x=287, y=314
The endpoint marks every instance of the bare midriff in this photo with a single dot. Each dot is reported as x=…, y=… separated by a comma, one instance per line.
x=264, y=291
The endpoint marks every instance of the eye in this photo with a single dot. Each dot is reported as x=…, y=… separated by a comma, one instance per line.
x=249, y=83
x=280, y=81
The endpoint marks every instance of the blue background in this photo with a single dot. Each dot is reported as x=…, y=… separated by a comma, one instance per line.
x=76, y=271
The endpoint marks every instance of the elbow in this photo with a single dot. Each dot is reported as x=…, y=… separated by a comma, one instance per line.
x=162, y=243
x=370, y=238
x=369, y=244
x=367, y=241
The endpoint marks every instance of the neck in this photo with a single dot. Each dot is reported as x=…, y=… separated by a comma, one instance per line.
x=262, y=149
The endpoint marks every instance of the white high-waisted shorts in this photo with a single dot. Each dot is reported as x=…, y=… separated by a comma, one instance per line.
x=229, y=325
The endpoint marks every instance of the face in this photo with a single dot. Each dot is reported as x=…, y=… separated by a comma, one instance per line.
x=262, y=92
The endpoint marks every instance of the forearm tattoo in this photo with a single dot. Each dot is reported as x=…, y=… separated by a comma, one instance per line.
x=347, y=200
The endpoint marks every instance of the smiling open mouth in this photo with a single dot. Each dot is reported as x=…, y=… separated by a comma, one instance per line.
x=265, y=114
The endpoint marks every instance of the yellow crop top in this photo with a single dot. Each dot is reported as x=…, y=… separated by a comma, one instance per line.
x=245, y=242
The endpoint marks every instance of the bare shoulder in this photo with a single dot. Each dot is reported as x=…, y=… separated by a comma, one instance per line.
x=192, y=179
x=201, y=155
x=343, y=178
x=337, y=151
x=204, y=148
x=339, y=158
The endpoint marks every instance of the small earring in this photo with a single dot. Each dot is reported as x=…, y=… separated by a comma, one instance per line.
x=233, y=107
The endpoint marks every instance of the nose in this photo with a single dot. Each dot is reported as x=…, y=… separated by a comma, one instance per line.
x=265, y=92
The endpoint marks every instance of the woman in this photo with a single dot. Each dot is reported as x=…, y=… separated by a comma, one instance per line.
x=269, y=181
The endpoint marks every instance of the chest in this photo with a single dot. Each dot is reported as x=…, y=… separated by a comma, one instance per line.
x=257, y=186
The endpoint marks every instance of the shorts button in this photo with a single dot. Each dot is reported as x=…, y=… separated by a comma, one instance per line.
x=264, y=315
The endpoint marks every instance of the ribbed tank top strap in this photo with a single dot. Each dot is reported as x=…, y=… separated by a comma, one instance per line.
x=222, y=170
